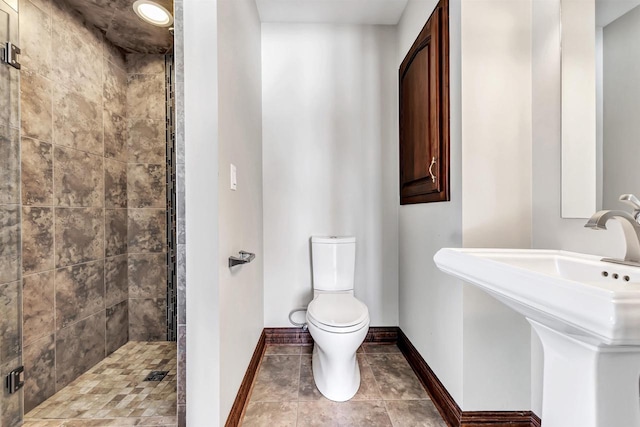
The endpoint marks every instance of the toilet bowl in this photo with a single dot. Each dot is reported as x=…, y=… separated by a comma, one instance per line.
x=337, y=320
x=338, y=324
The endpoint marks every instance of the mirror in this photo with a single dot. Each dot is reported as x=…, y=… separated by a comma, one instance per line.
x=578, y=108
x=618, y=99
x=600, y=102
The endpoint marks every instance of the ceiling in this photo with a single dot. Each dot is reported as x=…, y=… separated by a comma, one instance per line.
x=364, y=12
x=122, y=27
x=608, y=11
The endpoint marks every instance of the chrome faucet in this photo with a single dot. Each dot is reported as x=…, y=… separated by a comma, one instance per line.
x=630, y=227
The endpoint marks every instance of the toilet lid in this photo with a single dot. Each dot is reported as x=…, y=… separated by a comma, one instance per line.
x=337, y=310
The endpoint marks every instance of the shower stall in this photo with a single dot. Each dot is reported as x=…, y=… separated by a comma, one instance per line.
x=87, y=214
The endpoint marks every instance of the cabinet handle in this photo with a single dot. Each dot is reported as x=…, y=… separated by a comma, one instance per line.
x=433, y=162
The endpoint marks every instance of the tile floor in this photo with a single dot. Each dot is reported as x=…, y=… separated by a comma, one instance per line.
x=114, y=393
x=390, y=394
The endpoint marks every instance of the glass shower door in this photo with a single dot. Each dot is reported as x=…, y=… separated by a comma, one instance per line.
x=11, y=398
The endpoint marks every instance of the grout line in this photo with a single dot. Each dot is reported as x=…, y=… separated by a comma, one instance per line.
x=20, y=209
x=386, y=408
x=54, y=216
x=104, y=200
x=299, y=374
x=75, y=265
x=375, y=380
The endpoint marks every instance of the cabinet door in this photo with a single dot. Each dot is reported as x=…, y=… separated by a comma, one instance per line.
x=424, y=114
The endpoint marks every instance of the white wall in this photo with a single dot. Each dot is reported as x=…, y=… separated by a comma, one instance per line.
x=431, y=301
x=460, y=331
x=546, y=116
x=621, y=106
x=201, y=161
x=330, y=160
x=240, y=211
x=496, y=192
x=222, y=125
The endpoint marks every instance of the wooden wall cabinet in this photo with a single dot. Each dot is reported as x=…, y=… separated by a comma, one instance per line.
x=424, y=113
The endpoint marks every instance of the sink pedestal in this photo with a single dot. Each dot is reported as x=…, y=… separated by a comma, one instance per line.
x=586, y=384
x=587, y=314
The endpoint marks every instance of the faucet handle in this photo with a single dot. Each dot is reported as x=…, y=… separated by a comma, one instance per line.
x=633, y=201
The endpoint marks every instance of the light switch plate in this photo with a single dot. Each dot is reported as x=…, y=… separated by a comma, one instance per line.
x=234, y=177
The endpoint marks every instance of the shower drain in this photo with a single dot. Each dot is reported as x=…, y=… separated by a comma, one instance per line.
x=156, y=375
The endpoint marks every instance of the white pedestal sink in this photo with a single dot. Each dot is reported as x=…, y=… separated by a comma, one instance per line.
x=587, y=315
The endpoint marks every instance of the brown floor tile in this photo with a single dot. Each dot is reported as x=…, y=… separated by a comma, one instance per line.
x=308, y=390
x=277, y=380
x=320, y=413
x=414, y=413
x=325, y=413
x=282, y=349
x=42, y=423
x=380, y=348
x=368, y=386
x=364, y=413
x=270, y=414
x=389, y=391
x=395, y=378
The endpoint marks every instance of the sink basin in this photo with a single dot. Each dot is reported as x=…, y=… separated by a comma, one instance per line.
x=574, y=292
x=587, y=315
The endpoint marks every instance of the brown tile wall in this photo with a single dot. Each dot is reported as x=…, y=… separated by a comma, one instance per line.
x=10, y=225
x=146, y=197
x=74, y=198
x=181, y=261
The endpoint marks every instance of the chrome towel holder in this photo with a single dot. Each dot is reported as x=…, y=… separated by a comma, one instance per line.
x=244, y=258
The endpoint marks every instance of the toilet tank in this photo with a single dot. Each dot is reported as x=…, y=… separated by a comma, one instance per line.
x=333, y=263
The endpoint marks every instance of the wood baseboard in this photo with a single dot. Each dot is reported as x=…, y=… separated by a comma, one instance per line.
x=242, y=398
x=376, y=334
x=495, y=419
x=382, y=335
x=448, y=408
x=288, y=336
x=535, y=420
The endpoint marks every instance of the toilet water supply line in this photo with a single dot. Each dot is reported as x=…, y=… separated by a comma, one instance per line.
x=299, y=325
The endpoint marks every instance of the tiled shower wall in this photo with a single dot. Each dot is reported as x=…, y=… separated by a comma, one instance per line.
x=146, y=191
x=74, y=196
x=10, y=225
x=181, y=258
x=93, y=198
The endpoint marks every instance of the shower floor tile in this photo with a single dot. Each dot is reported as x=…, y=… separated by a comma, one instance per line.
x=114, y=393
x=390, y=394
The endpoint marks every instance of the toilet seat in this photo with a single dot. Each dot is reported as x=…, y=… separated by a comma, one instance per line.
x=338, y=313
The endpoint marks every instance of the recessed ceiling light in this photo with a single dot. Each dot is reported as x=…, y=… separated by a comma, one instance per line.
x=153, y=13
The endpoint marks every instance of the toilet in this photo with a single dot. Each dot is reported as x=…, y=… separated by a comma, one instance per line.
x=337, y=320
